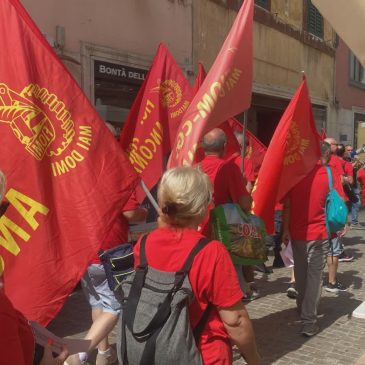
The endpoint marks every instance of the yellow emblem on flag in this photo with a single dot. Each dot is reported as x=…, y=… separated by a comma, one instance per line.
x=295, y=145
x=38, y=119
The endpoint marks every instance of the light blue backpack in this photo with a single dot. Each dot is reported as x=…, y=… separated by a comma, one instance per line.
x=335, y=210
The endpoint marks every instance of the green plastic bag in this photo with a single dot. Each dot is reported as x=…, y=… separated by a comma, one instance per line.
x=242, y=233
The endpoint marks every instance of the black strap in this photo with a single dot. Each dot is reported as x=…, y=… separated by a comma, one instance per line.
x=198, y=330
x=123, y=344
x=142, y=252
x=189, y=261
x=136, y=288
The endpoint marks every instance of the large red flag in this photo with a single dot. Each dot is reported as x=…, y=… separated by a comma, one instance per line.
x=225, y=92
x=154, y=118
x=67, y=177
x=292, y=154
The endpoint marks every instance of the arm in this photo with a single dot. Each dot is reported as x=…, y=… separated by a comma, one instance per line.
x=245, y=202
x=239, y=329
x=48, y=358
x=135, y=215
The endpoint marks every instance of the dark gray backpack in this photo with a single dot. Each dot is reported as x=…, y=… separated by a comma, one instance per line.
x=155, y=326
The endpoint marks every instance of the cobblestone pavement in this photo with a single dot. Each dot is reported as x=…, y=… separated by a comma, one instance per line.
x=275, y=319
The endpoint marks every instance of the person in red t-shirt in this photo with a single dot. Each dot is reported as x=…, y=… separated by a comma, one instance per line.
x=304, y=225
x=183, y=196
x=248, y=171
x=337, y=253
x=361, y=180
x=105, y=307
x=16, y=336
x=228, y=187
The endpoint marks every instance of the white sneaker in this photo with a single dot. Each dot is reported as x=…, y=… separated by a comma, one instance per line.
x=75, y=360
x=106, y=359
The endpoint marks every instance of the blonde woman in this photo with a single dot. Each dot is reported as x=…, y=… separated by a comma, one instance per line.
x=16, y=336
x=183, y=195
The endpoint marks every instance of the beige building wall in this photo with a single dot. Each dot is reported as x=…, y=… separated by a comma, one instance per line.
x=278, y=58
x=128, y=27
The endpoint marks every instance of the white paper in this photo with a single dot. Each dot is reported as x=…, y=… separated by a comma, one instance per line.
x=73, y=346
x=287, y=255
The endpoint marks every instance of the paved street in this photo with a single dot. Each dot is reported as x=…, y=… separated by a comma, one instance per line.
x=276, y=322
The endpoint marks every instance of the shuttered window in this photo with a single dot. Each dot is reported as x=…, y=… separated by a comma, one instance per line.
x=263, y=3
x=314, y=21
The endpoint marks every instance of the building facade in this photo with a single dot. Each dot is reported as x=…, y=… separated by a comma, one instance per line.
x=289, y=37
x=109, y=47
x=350, y=97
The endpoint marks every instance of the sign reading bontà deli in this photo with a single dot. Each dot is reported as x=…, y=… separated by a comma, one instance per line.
x=113, y=71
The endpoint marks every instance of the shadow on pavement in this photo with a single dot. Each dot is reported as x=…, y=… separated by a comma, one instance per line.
x=74, y=318
x=278, y=333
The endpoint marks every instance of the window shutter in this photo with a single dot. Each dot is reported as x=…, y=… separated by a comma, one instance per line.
x=314, y=21
x=263, y=3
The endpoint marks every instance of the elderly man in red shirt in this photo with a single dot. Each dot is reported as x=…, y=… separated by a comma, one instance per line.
x=304, y=225
x=228, y=185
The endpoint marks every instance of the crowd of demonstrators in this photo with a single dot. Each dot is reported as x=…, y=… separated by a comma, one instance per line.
x=183, y=195
x=16, y=336
x=220, y=288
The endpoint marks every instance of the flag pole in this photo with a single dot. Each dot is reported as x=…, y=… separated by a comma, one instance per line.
x=149, y=196
x=243, y=149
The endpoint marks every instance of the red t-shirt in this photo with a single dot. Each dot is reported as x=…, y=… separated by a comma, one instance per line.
x=16, y=336
x=307, y=205
x=361, y=179
x=212, y=278
x=348, y=168
x=337, y=165
x=226, y=178
x=247, y=168
x=119, y=231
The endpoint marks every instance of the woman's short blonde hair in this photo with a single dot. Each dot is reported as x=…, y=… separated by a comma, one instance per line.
x=2, y=185
x=183, y=195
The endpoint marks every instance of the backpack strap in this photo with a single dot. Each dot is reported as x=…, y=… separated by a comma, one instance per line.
x=329, y=173
x=142, y=252
x=330, y=185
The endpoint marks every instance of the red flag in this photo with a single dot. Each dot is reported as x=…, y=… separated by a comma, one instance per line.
x=323, y=134
x=199, y=78
x=291, y=155
x=255, y=149
x=155, y=115
x=67, y=177
x=225, y=92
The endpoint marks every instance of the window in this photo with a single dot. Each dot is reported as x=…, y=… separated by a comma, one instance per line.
x=314, y=20
x=357, y=72
x=263, y=4
x=359, y=130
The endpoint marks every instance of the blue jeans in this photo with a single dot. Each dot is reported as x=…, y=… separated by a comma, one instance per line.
x=355, y=208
